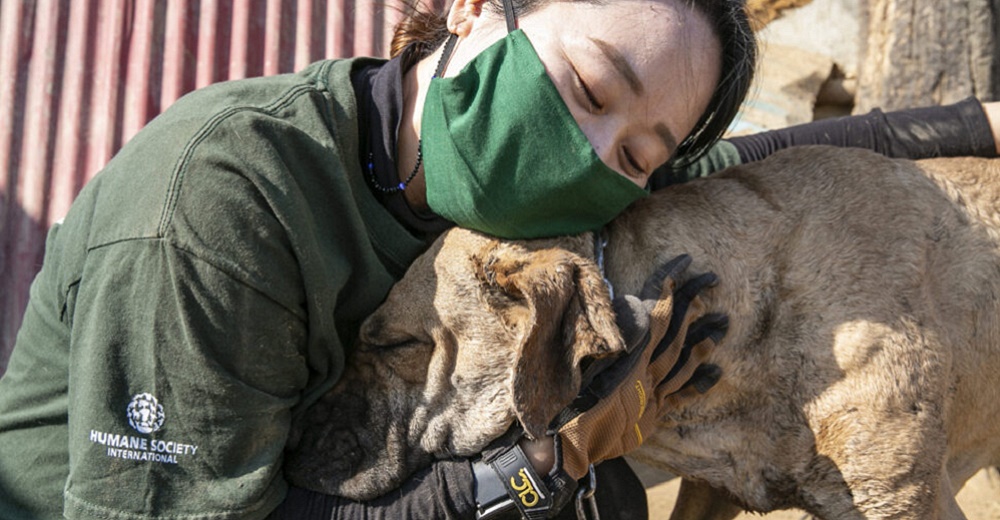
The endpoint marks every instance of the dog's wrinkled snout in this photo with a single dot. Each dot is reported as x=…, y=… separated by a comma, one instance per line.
x=322, y=428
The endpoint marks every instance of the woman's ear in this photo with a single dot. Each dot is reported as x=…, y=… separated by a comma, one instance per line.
x=462, y=16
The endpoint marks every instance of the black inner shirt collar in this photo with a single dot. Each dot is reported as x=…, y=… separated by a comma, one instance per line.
x=379, y=91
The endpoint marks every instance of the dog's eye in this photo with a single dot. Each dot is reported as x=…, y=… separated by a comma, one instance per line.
x=403, y=344
x=392, y=344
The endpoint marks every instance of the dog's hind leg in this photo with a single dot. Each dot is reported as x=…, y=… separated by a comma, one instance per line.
x=699, y=501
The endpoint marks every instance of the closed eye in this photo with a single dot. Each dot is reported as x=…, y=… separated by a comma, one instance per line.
x=594, y=104
x=400, y=344
x=382, y=341
x=636, y=168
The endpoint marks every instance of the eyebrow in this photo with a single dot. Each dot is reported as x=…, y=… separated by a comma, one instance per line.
x=618, y=60
x=625, y=69
x=668, y=137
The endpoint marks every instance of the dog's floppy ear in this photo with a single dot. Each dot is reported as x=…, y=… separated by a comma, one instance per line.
x=569, y=317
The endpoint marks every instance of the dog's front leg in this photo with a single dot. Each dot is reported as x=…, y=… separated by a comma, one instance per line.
x=699, y=501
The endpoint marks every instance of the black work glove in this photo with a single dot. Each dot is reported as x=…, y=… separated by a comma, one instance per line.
x=667, y=335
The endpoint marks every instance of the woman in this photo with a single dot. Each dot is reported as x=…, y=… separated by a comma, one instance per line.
x=200, y=293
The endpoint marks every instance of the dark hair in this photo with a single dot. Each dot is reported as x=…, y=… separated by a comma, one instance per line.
x=728, y=19
x=739, y=63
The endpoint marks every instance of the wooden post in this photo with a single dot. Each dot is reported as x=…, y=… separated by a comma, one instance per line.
x=929, y=52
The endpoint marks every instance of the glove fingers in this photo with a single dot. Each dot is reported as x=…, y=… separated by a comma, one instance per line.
x=678, y=398
x=659, y=291
x=694, y=286
x=713, y=325
x=672, y=364
x=681, y=303
x=690, y=289
x=703, y=379
x=665, y=358
x=710, y=327
x=643, y=319
x=690, y=360
x=677, y=332
x=669, y=272
x=669, y=322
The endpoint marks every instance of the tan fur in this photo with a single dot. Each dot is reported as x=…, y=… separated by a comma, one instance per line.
x=860, y=365
x=763, y=12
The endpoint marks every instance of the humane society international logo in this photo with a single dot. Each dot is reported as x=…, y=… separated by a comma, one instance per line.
x=145, y=415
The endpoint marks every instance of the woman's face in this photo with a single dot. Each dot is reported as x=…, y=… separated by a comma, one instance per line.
x=635, y=74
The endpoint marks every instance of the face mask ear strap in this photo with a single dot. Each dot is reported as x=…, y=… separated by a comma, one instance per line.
x=449, y=46
x=508, y=13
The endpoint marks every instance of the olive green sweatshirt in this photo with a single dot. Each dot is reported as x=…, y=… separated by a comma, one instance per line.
x=197, y=296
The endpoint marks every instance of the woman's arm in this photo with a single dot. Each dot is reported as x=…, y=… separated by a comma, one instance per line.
x=445, y=490
x=968, y=127
x=963, y=128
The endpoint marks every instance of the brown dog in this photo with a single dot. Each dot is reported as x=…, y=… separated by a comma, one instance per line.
x=859, y=371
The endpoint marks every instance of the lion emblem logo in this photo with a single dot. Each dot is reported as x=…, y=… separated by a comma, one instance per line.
x=144, y=413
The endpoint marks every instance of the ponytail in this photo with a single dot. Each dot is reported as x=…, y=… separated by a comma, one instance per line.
x=422, y=29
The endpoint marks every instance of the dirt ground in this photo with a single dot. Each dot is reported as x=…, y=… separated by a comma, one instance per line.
x=979, y=499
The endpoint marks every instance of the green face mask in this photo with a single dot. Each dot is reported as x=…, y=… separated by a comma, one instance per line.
x=503, y=155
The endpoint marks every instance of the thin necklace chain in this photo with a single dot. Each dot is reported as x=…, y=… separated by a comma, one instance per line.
x=449, y=46
x=402, y=185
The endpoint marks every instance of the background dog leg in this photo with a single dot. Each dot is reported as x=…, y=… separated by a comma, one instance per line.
x=697, y=500
x=948, y=508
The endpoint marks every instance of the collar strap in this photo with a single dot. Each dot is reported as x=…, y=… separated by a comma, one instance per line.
x=600, y=244
x=509, y=484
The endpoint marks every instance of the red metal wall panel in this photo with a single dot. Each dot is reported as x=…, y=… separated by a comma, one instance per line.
x=81, y=77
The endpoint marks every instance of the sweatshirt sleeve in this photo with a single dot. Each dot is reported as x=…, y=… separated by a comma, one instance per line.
x=181, y=384
x=941, y=131
x=719, y=157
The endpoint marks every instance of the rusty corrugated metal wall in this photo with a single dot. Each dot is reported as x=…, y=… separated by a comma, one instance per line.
x=79, y=78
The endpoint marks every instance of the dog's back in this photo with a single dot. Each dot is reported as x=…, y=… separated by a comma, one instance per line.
x=863, y=296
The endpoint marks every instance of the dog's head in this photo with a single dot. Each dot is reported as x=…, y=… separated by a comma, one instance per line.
x=478, y=334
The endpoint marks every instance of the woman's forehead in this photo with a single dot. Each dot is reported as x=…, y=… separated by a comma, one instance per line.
x=641, y=40
x=609, y=12
x=644, y=28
